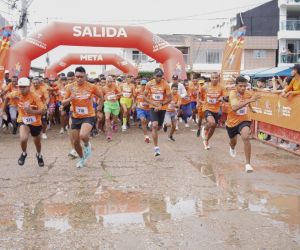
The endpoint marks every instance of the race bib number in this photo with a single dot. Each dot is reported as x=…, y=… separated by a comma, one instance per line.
x=82, y=110
x=29, y=120
x=211, y=100
x=171, y=106
x=144, y=104
x=242, y=111
x=111, y=97
x=157, y=97
x=62, y=93
x=126, y=94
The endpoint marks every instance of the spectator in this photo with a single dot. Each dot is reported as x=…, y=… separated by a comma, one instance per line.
x=294, y=87
x=261, y=83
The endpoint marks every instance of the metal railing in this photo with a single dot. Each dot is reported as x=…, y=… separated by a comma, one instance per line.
x=290, y=25
x=289, y=58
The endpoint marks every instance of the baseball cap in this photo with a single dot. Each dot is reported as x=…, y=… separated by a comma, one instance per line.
x=158, y=72
x=143, y=82
x=24, y=82
x=247, y=78
x=6, y=71
x=175, y=77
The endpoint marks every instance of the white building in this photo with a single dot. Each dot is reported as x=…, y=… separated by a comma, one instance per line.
x=289, y=32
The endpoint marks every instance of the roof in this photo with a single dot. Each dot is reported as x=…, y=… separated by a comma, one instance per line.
x=276, y=71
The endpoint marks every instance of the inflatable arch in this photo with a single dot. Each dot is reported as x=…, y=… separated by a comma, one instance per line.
x=90, y=59
x=95, y=35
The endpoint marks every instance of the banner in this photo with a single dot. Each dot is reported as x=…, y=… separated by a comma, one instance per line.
x=232, y=56
x=5, y=35
x=276, y=110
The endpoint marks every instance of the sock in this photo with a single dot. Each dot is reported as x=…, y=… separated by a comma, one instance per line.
x=24, y=153
x=124, y=121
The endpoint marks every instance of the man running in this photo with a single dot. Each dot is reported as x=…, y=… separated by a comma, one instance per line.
x=80, y=95
x=142, y=109
x=213, y=96
x=193, y=89
x=63, y=111
x=30, y=109
x=111, y=106
x=238, y=120
x=171, y=114
x=42, y=92
x=127, y=90
x=12, y=106
x=158, y=94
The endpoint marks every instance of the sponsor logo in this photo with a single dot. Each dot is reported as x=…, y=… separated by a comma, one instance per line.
x=91, y=58
x=159, y=43
x=36, y=41
x=286, y=111
x=99, y=31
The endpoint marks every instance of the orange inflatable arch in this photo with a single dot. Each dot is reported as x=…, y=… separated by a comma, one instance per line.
x=90, y=59
x=95, y=35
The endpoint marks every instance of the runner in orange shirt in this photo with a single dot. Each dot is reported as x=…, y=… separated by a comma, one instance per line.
x=30, y=110
x=158, y=95
x=13, y=107
x=41, y=91
x=142, y=109
x=126, y=101
x=213, y=96
x=62, y=110
x=200, y=106
x=171, y=114
x=80, y=95
x=111, y=94
x=238, y=120
x=193, y=89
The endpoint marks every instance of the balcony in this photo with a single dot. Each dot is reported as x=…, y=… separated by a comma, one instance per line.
x=290, y=25
x=289, y=29
x=289, y=59
x=288, y=2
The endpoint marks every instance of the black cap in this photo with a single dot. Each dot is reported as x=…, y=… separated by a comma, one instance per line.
x=175, y=77
x=158, y=72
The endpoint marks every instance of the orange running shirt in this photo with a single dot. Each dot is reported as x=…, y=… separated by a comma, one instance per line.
x=193, y=89
x=140, y=101
x=158, y=92
x=31, y=100
x=175, y=101
x=211, y=94
x=111, y=93
x=234, y=118
x=42, y=93
x=11, y=88
x=82, y=103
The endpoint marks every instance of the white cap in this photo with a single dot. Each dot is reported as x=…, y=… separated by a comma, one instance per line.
x=247, y=78
x=6, y=71
x=24, y=82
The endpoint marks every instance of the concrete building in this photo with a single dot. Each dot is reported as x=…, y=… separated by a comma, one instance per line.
x=289, y=32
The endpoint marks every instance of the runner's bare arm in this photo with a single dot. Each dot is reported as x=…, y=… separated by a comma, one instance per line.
x=236, y=104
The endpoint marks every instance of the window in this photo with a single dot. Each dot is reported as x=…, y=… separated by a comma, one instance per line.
x=139, y=57
x=213, y=57
x=259, y=54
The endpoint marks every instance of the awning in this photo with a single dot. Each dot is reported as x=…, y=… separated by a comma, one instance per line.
x=276, y=71
x=252, y=72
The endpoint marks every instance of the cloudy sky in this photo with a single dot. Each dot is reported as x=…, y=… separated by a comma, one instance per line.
x=164, y=16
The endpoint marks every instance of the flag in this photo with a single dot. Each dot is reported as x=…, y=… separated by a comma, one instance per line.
x=232, y=56
x=5, y=35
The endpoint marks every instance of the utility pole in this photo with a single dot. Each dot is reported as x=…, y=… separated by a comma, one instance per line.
x=24, y=14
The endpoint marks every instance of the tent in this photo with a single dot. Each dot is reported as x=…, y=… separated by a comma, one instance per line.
x=276, y=71
x=253, y=72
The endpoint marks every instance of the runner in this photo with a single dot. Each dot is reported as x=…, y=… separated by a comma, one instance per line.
x=63, y=111
x=158, y=94
x=83, y=115
x=193, y=89
x=12, y=106
x=212, y=95
x=171, y=114
x=111, y=106
x=31, y=109
x=186, y=108
x=127, y=90
x=200, y=107
x=238, y=121
x=142, y=109
x=41, y=91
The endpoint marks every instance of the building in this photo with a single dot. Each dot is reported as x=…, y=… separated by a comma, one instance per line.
x=201, y=53
x=289, y=32
x=261, y=42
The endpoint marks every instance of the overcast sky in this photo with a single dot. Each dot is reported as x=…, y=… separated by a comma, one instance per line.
x=159, y=16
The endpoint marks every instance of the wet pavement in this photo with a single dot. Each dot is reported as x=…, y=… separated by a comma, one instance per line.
x=126, y=198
